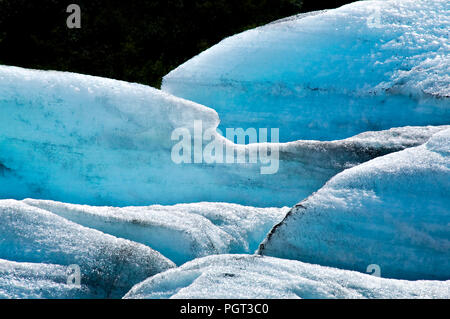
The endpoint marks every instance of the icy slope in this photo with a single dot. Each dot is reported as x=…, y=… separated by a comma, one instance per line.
x=109, y=265
x=244, y=276
x=89, y=140
x=79, y=138
x=180, y=232
x=369, y=65
x=36, y=281
x=393, y=211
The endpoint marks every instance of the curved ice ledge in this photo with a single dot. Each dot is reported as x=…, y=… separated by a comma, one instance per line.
x=90, y=140
x=366, y=66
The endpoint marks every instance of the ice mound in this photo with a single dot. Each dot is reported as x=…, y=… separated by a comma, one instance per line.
x=88, y=140
x=393, y=211
x=181, y=232
x=109, y=265
x=366, y=66
x=85, y=139
x=247, y=276
x=37, y=281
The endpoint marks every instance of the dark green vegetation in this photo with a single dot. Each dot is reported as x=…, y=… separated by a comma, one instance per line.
x=136, y=41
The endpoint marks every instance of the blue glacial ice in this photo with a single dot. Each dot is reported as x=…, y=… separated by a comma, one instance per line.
x=181, y=232
x=366, y=89
x=109, y=265
x=392, y=211
x=89, y=140
x=369, y=65
x=250, y=276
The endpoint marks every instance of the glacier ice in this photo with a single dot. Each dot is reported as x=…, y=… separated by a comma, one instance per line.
x=366, y=66
x=393, y=211
x=37, y=281
x=109, y=265
x=357, y=84
x=89, y=140
x=250, y=276
x=181, y=232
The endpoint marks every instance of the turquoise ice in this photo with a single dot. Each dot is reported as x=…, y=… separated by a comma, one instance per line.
x=369, y=65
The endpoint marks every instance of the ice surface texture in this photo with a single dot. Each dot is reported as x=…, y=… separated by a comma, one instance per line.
x=393, y=211
x=109, y=265
x=89, y=140
x=37, y=281
x=369, y=65
x=244, y=276
x=180, y=232
x=39, y=239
